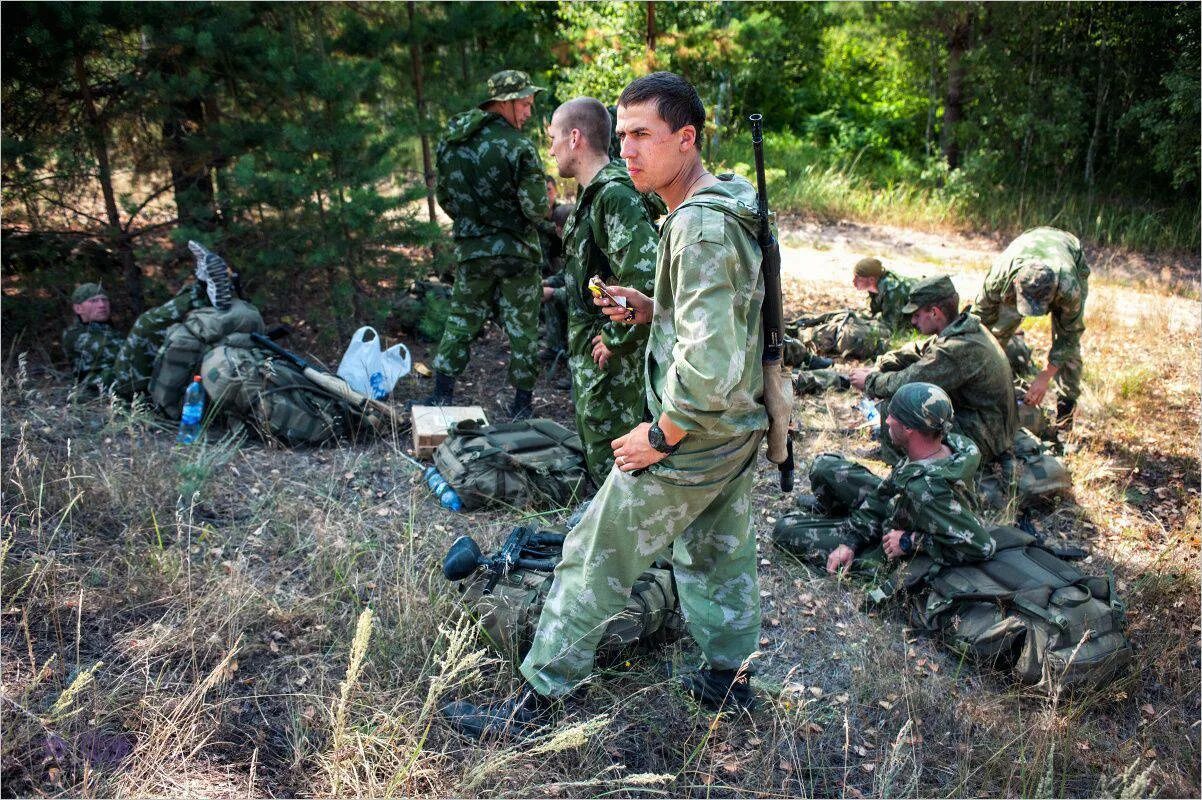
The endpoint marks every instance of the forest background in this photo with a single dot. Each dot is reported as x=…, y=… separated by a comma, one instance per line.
x=296, y=138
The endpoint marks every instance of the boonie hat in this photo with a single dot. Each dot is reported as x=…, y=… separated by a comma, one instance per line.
x=510, y=84
x=1034, y=288
x=928, y=292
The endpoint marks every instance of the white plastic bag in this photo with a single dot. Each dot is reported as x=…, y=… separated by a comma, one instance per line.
x=368, y=369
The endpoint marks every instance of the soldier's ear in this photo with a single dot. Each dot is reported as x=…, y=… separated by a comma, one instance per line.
x=688, y=137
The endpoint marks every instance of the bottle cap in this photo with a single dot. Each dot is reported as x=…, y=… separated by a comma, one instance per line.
x=195, y=378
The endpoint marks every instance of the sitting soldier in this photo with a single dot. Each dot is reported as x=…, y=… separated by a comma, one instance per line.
x=91, y=343
x=925, y=505
x=962, y=358
x=135, y=361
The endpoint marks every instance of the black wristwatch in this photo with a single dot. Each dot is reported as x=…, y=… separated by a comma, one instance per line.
x=655, y=437
x=905, y=543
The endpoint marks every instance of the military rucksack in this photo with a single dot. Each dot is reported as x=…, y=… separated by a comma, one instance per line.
x=508, y=612
x=533, y=462
x=269, y=394
x=185, y=345
x=841, y=333
x=1024, y=610
x=1039, y=474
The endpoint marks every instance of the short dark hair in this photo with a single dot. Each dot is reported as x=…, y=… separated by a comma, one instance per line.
x=587, y=115
x=677, y=102
x=950, y=306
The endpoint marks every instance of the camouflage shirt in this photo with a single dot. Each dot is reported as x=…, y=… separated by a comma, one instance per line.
x=491, y=183
x=965, y=361
x=706, y=340
x=92, y=349
x=1062, y=252
x=893, y=292
x=931, y=499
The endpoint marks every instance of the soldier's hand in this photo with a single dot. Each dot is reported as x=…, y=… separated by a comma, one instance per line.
x=636, y=302
x=548, y=294
x=892, y=544
x=859, y=376
x=839, y=559
x=601, y=353
x=1039, y=388
x=633, y=451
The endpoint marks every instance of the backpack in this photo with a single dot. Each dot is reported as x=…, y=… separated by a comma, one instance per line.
x=273, y=397
x=508, y=614
x=536, y=461
x=1040, y=474
x=184, y=347
x=842, y=333
x=1024, y=610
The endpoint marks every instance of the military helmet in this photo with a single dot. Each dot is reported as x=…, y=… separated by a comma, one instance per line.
x=923, y=407
x=868, y=268
x=510, y=84
x=86, y=291
x=928, y=292
x=1034, y=288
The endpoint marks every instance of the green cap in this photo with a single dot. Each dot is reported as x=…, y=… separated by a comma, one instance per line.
x=868, y=268
x=1034, y=288
x=923, y=407
x=86, y=291
x=510, y=84
x=928, y=292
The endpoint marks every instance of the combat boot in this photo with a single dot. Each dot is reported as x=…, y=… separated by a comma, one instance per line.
x=503, y=719
x=444, y=392
x=819, y=362
x=716, y=689
x=812, y=504
x=1065, y=410
x=522, y=407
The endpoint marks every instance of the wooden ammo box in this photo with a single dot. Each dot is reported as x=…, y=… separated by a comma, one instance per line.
x=430, y=425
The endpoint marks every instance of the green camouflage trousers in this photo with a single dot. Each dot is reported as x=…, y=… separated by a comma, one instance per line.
x=698, y=501
x=514, y=289
x=555, y=321
x=1068, y=378
x=609, y=403
x=135, y=360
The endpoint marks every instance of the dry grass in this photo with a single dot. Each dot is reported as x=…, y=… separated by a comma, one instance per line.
x=235, y=620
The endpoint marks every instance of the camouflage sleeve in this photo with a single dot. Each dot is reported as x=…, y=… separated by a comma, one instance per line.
x=901, y=357
x=990, y=299
x=531, y=184
x=947, y=531
x=1068, y=323
x=936, y=365
x=862, y=530
x=629, y=240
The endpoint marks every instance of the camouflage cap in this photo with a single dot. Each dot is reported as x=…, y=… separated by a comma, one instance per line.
x=86, y=291
x=510, y=84
x=923, y=407
x=868, y=268
x=928, y=292
x=1034, y=288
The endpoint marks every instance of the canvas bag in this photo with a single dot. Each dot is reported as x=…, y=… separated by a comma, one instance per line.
x=841, y=333
x=534, y=462
x=1040, y=475
x=368, y=368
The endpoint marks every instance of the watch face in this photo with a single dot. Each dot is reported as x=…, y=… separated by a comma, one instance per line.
x=655, y=437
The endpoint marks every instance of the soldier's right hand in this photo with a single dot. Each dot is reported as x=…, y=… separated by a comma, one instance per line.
x=840, y=558
x=636, y=302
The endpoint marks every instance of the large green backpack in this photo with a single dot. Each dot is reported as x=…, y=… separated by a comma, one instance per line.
x=185, y=345
x=845, y=334
x=1024, y=610
x=535, y=462
x=1040, y=474
x=270, y=395
x=508, y=612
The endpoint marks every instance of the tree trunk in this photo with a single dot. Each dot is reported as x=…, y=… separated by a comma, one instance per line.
x=1100, y=99
x=650, y=27
x=415, y=56
x=193, y=186
x=99, y=139
x=953, y=102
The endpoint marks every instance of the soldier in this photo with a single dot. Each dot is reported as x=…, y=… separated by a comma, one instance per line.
x=696, y=461
x=962, y=358
x=610, y=234
x=134, y=363
x=887, y=292
x=91, y=343
x=491, y=183
x=926, y=505
x=1043, y=271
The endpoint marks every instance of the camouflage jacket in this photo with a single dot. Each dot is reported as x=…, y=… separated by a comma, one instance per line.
x=931, y=499
x=893, y=292
x=965, y=361
x=92, y=349
x=135, y=361
x=706, y=340
x=491, y=183
x=1062, y=252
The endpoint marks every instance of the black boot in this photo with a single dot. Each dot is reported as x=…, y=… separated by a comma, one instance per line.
x=1064, y=414
x=811, y=504
x=444, y=392
x=519, y=717
x=819, y=362
x=718, y=688
x=521, y=408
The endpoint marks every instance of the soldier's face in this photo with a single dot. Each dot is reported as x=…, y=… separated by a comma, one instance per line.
x=523, y=107
x=899, y=434
x=928, y=320
x=561, y=147
x=864, y=283
x=655, y=154
x=94, y=309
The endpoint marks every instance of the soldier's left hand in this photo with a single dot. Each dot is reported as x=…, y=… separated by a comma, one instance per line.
x=858, y=377
x=601, y=353
x=892, y=543
x=634, y=451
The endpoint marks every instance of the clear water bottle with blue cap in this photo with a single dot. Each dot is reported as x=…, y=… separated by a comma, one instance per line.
x=446, y=495
x=869, y=409
x=194, y=409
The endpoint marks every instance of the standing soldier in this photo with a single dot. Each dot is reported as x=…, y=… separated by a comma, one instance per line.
x=610, y=234
x=491, y=183
x=696, y=461
x=1043, y=271
x=92, y=343
x=887, y=292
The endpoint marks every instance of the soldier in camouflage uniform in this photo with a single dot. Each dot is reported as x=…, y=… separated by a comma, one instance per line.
x=491, y=183
x=91, y=343
x=1041, y=272
x=926, y=505
x=852, y=334
x=134, y=364
x=610, y=234
x=962, y=358
x=887, y=292
x=704, y=389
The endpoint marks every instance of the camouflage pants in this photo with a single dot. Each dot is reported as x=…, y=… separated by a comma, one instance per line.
x=555, y=321
x=844, y=334
x=609, y=403
x=698, y=500
x=515, y=288
x=1068, y=378
x=135, y=360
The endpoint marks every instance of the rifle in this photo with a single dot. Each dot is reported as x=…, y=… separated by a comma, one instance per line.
x=332, y=384
x=778, y=389
x=464, y=556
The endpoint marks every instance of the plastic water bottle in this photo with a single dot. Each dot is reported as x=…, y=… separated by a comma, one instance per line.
x=442, y=490
x=869, y=409
x=194, y=408
x=377, y=386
